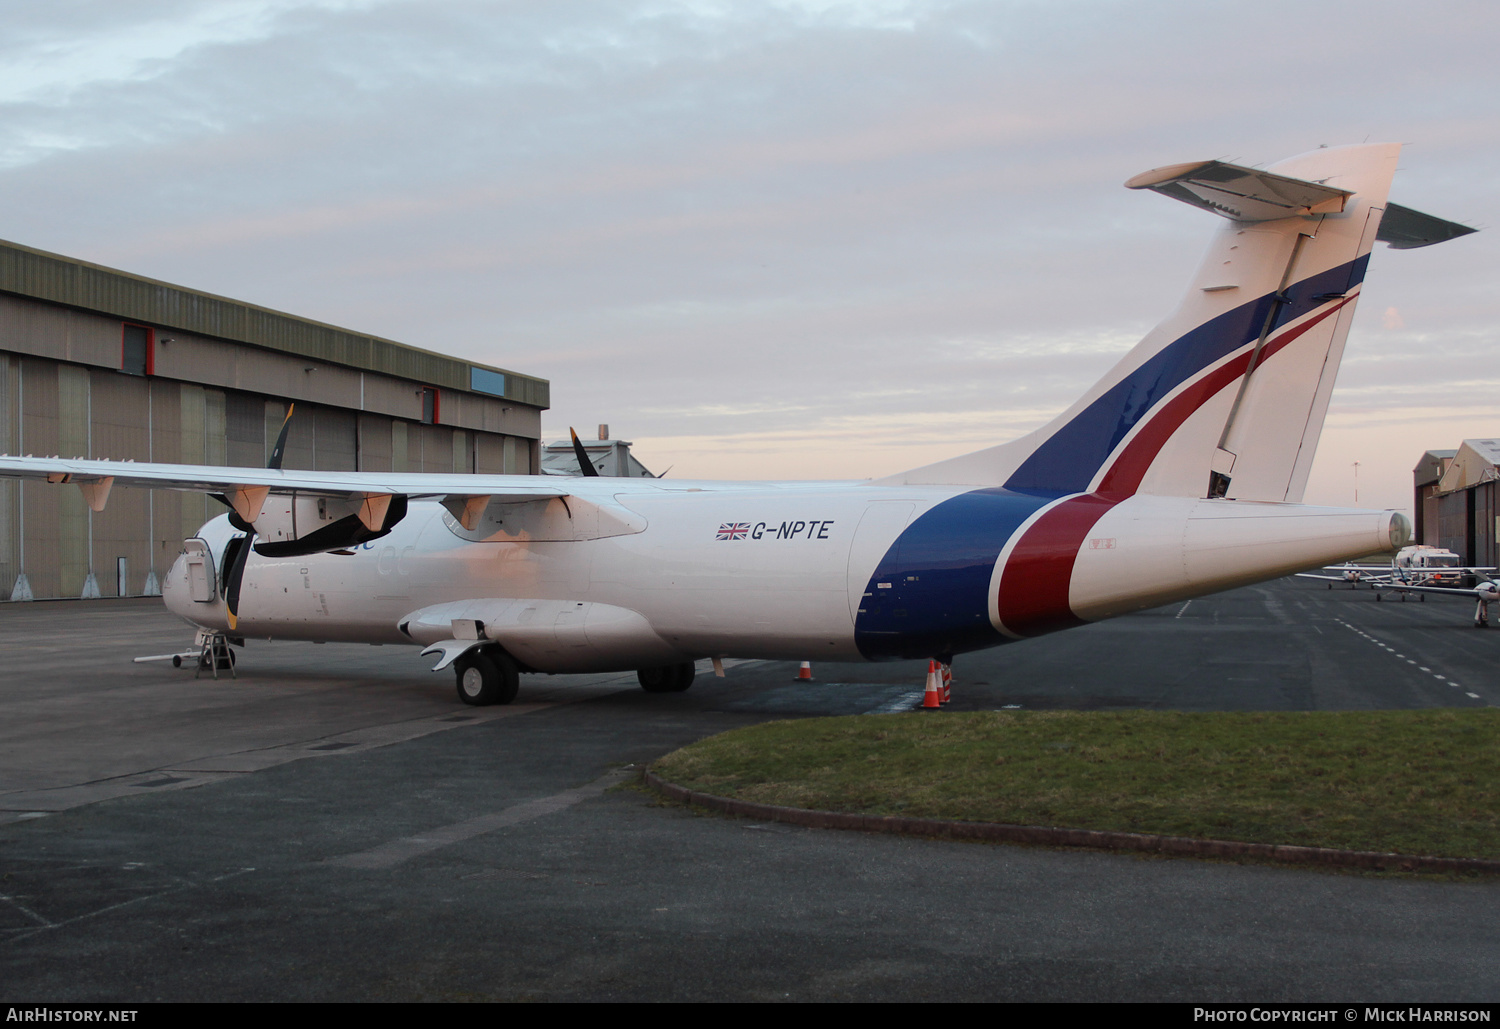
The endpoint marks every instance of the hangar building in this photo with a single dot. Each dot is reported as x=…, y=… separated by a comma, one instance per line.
x=1456, y=500
x=101, y=363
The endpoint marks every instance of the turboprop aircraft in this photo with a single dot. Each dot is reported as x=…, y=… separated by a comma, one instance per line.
x=1180, y=473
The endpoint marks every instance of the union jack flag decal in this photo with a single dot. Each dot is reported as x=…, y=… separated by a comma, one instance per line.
x=733, y=531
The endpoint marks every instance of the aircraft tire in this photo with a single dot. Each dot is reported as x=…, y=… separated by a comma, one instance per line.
x=205, y=665
x=486, y=678
x=671, y=679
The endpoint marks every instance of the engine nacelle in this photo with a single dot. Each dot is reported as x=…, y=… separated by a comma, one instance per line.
x=293, y=524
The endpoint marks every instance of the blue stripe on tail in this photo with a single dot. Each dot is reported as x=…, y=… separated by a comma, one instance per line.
x=1068, y=461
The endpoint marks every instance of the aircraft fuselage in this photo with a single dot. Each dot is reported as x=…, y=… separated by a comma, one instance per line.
x=626, y=574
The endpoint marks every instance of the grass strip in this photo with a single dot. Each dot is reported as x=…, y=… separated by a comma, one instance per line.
x=1415, y=782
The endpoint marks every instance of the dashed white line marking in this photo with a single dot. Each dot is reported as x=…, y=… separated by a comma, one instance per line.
x=1403, y=657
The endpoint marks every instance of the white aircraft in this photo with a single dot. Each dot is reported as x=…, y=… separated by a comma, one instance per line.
x=1483, y=594
x=1418, y=565
x=1179, y=474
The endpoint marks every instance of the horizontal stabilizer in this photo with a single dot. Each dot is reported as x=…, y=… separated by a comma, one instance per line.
x=1405, y=229
x=1242, y=194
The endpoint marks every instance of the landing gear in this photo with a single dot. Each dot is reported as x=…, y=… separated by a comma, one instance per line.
x=486, y=677
x=671, y=679
x=1482, y=615
x=215, y=656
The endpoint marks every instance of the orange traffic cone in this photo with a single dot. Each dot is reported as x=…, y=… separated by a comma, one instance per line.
x=932, y=700
x=805, y=672
x=947, y=671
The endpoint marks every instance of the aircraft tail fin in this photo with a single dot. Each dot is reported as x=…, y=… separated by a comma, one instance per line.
x=1227, y=396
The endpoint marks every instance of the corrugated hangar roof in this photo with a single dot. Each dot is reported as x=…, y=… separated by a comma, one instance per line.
x=40, y=275
x=1475, y=462
x=1434, y=462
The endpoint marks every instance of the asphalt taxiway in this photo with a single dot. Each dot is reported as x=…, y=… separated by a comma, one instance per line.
x=334, y=825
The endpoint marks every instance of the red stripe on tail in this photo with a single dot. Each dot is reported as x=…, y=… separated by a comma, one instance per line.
x=1038, y=574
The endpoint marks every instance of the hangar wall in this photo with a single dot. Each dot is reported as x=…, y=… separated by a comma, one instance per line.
x=100, y=363
x=1456, y=491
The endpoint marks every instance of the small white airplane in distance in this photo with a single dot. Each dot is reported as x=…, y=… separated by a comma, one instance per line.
x=1484, y=594
x=1420, y=569
x=1179, y=474
x=1419, y=565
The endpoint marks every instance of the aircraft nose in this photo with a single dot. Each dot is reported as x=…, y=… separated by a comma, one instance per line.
x=172, y=584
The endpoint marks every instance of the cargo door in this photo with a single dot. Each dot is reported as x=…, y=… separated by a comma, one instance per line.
x=876, y=536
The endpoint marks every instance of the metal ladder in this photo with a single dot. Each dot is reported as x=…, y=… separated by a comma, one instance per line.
x=215, y=647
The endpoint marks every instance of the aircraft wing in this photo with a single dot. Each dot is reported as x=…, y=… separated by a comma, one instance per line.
x=1420, y=574
x=1370, y=580
x=369, y=495
x=1452, y=591
x=220, y=479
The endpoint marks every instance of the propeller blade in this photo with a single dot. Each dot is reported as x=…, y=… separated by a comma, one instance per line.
x=278, y=451
x=234, y=576
x=584, y=464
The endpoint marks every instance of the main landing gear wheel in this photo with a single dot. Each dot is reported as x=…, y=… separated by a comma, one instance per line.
x=486, y=677
x=671, y=679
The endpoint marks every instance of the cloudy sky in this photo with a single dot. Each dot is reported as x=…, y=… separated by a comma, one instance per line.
x=800, y=238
